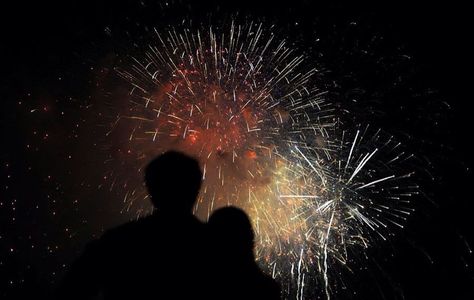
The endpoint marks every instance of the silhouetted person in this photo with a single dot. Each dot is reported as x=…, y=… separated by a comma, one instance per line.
x=161, y=256
x=237, y=276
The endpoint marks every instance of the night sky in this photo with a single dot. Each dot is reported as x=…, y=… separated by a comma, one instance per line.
x=403, y=68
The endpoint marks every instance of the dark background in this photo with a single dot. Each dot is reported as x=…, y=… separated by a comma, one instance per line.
x=49, y=52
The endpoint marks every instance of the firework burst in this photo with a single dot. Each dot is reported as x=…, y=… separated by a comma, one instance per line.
x=250, y=108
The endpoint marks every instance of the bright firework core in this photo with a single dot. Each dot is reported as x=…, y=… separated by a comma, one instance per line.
x=249, y=107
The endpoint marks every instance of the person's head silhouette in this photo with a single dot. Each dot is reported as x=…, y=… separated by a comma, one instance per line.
x=238, y=275
x=173, y=180
x=233, y=232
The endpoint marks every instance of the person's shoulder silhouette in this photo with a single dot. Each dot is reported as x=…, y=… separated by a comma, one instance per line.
x=237, y=276
x=159, y=256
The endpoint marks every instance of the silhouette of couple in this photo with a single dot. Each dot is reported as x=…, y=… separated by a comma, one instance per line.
x=171, y=254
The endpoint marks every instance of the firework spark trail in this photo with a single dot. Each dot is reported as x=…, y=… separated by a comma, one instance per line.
x=250, y=109
x=325, y=253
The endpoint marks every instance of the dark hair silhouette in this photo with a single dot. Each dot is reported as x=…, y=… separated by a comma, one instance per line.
x=232, y=229
x=173, y=181
x=237, y=275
